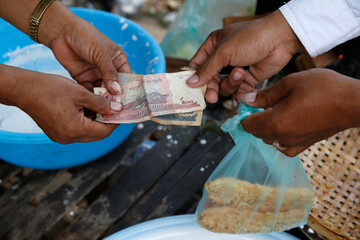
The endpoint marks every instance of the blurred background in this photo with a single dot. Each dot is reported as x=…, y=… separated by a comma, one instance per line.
x=154, y=15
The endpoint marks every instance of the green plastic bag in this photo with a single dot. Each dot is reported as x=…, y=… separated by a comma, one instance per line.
x=255, y=189
x=196, y=20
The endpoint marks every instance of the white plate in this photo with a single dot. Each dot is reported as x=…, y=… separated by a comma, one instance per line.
x=183, y=228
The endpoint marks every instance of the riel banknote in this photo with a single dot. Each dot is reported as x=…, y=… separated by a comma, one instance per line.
x=164, y=98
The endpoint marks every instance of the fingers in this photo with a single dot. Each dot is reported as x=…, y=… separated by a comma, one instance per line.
x=294, y=151
x=211, y=67
x=243, y=90
x=100, y=104
x=88, y=85
x=88, y=75
x=109, y=74
x=212, y=92
x=109, y=68
x=121, y=62
x=95, y=131
x=268, y=97
x=204, y=51
x=232, y=83
x=289, y=151
x=256, y=124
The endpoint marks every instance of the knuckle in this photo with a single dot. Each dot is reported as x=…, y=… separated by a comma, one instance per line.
x=267, y=96
x=213, y=34
x=226, y=89
x=107, y=133
x=290, y=153
x=102, y=103
x=121, y=57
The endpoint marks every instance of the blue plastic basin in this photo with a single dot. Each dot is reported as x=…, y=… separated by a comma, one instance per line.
x=37, y=150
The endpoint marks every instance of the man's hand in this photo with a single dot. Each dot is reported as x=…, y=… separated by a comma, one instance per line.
x=266, y=45
x=304, y=108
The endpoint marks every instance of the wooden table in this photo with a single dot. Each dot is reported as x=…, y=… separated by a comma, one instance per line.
x=113, y=192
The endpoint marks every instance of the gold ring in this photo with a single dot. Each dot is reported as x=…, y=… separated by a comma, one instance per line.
x=278, y=146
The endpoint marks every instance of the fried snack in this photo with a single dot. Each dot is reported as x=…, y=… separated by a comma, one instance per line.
x=245, y=195
x=235, y=221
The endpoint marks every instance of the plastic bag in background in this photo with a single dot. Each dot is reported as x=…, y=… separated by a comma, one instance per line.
x=255, y=189
x=197, y=19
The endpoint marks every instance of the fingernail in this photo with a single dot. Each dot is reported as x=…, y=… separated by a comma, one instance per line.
x=116, y=106
x=237, y=76
x=116, y=87
x=238, y=98
x=193, y=79
x=250, y=97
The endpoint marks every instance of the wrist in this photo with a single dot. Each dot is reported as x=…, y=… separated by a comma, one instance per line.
x=9, y=81
x=56, y=19
x=282, y=34
x=18, y=83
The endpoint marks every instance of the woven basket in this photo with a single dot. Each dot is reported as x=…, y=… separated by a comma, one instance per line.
x=333, y=166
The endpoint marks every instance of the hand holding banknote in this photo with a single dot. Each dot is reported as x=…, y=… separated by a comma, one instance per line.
x=163, y=98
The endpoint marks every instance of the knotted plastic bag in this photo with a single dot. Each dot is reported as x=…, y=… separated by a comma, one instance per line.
x=255, y=189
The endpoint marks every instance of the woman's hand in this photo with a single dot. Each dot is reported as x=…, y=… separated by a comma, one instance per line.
x=57, y=105
x=85, y=52
x=265, y=45
x=304, y=108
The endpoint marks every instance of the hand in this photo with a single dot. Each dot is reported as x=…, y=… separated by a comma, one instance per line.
x=266, y=45
x=84, y=51
x=304, y=108
x=57, y=105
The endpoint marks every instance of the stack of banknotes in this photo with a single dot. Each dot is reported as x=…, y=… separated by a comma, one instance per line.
x=164, y=98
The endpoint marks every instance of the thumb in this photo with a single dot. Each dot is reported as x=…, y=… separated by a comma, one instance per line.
x=268, y=97
x=101, y=104
x=210, y=67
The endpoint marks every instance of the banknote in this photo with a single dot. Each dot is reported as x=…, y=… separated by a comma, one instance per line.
x=164, y=98
x=186, y=119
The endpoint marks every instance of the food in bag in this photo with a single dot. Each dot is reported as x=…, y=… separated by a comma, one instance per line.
x=255, y=189
x=231, y=220
x=244, y=195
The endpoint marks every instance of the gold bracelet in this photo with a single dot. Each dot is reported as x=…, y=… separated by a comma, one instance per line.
x=36, y=17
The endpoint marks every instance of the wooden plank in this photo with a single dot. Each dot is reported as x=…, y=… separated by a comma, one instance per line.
x=175, y=175
x=55, y=206
x=7, y=169
x=15, y=204
x=28, y=186
x=136, y=181
x=193, y=180
x=193, y=208
x=174, y=64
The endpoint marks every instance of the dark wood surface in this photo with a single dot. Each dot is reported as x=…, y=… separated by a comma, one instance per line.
x=162, y=183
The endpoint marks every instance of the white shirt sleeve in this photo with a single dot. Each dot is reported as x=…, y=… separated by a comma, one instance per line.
x=323, y=24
